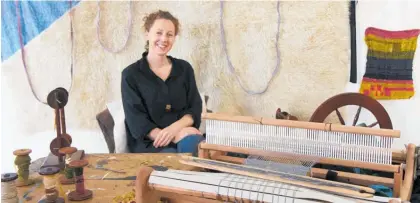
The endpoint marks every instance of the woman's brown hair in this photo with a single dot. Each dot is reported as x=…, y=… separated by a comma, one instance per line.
x=151, y=18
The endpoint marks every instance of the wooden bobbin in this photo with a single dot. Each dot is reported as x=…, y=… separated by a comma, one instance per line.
x=51, y=194
x=23, y=181
x=7, y=178
x=85, y=193
x=67, y=151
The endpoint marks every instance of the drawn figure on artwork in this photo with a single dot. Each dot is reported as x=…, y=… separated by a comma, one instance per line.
x=160, y=97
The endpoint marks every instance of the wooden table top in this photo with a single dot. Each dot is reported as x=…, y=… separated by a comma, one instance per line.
x=107, y=175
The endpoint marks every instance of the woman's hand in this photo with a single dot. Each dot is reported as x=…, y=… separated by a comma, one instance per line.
x=154, y=133
x=185, y=132
x=166, y=135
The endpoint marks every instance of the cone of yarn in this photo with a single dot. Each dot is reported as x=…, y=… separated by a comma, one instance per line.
x=22, y=163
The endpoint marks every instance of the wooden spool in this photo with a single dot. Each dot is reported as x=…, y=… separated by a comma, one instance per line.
x=7, y=177
x=67, y=151
x=29, y=181
x=9, y=197
x=53, y=193
x=77, y=195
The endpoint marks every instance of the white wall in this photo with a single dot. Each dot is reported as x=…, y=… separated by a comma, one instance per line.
x=391, y=15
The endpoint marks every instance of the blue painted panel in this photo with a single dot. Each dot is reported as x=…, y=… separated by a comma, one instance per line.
x=36, y=16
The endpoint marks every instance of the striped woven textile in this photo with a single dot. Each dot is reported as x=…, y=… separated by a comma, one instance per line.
x=389, y=65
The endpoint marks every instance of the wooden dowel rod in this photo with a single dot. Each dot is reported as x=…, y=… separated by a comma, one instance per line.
x=303, y=124
x=398, y=177
x=353, y=178
x=230, y=159
x=399, y=156
x=58, y=125
x=367, y=192
x=62, y=121
x=340, y=162
x=407, y=185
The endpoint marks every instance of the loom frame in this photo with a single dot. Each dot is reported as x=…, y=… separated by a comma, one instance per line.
x=403, y=165
x=148, y=193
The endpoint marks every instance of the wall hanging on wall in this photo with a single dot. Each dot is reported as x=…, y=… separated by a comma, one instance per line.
x=389, y=65
x=129, y=27
x=232, y=70
x=22, y=45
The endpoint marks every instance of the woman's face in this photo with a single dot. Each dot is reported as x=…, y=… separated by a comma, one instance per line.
x=161, y=37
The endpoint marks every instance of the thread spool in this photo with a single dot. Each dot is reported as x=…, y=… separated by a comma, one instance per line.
x=22, y=162
x=81, y=193
x=68, y=177
x=8, y=188
x=53, y=191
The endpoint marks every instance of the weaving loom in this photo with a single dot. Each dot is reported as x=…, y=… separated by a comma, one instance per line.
x=282, y=159
x=277, y=149
x=190, y=186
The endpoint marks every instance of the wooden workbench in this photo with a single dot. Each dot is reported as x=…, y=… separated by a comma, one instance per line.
x=107, y=175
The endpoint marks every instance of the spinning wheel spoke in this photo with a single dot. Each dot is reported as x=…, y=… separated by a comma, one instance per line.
x=340, y=117
x=373, y=124
x=356, y=117
x=362, y=101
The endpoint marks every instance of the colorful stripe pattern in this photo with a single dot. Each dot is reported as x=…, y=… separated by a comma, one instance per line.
x=389, y=66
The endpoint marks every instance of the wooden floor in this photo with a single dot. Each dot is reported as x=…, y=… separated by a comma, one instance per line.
x=107, y=175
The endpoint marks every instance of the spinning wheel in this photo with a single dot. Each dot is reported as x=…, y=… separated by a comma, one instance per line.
x=346, y=99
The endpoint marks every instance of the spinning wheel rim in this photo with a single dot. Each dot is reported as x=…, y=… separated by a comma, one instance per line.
x=347, y=99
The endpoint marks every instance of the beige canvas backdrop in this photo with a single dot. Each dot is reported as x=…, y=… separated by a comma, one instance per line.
x=313, y=45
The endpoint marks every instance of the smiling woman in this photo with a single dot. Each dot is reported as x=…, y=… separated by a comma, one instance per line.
x=161, y=101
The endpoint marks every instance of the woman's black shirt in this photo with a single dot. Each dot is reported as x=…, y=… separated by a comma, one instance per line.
x=149, y=102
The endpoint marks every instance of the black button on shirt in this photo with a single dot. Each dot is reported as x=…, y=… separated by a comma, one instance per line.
x=150, y=102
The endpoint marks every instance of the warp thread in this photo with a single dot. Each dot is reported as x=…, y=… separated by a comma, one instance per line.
x=9, y=192
x=22, y=163
x=80, y=181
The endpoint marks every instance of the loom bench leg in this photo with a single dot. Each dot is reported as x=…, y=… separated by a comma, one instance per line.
x=398, y=178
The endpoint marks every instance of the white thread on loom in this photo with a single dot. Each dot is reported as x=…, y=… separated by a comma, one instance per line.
x=314, y=143
x=130, y=23
x=19, y=26
x=232, y=70
x=9, y=192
